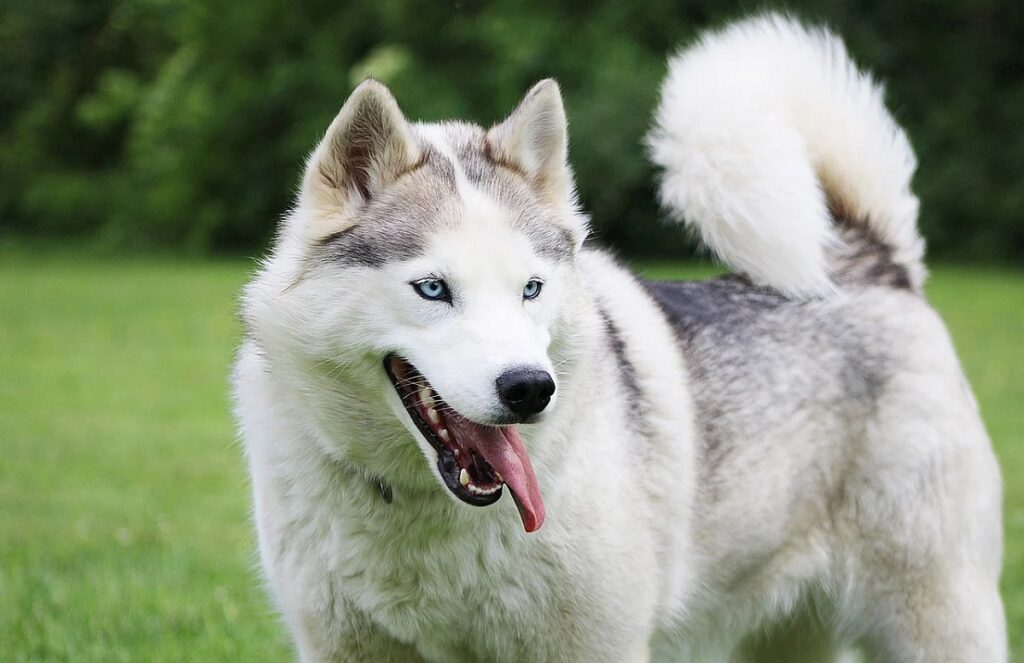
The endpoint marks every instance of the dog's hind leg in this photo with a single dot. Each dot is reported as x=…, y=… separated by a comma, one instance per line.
x=953, y=617
x=920, y=529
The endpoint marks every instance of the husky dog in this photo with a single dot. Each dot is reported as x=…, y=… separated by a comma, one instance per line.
x=473, y=437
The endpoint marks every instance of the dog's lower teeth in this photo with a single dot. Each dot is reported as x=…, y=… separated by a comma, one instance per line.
x=434, y=417
x=445, y=437
x=425, y=397
x=464, y=477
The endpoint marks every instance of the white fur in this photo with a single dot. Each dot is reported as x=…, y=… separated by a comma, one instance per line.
x=760, y=126
x=878, y=525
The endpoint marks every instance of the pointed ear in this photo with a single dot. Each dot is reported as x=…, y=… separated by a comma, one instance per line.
x=368, y=145
x=534, y=139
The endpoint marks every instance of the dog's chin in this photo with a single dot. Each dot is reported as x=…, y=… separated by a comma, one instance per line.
x=474, y=460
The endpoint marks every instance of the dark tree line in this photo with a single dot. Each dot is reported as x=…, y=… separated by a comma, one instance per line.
x=183, y=124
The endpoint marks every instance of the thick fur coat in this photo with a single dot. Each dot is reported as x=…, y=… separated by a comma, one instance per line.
x=783, y=464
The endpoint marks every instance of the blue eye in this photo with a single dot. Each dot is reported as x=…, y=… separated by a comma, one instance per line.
x=532, y=288
x=433, y=289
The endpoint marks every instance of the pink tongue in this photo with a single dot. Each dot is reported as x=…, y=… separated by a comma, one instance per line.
x=503, y=449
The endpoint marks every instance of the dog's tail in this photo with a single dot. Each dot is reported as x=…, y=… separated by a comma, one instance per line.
x=782, y=155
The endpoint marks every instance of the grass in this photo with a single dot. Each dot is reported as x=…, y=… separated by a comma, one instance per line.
x=124, y=525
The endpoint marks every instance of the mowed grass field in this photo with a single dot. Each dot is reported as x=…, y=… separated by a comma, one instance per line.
x=124, y=509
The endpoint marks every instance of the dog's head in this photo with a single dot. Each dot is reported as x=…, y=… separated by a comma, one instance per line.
x=437, y=262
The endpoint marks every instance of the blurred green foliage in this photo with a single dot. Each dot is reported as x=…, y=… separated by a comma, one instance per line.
x=184, y=124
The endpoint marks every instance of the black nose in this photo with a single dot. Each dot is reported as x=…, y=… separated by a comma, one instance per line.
x=525, y=391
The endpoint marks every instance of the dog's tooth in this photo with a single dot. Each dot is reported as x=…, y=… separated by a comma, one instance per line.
x=445, y=437
x=425, y=397
x=464, y=477
x=435, y=418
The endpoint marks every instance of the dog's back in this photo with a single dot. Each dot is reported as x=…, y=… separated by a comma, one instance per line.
x=838, y=439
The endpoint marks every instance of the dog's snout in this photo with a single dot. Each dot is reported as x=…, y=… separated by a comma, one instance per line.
x=525, y=390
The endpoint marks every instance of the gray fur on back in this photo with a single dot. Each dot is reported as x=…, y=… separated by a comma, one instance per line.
x=861, y=258
x=759, y=361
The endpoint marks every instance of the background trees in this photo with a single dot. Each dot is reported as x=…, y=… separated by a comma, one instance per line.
x=182, y=125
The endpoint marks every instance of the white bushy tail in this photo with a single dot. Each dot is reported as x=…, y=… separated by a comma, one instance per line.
x=765, y=129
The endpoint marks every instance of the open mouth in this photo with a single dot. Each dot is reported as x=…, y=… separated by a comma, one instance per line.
x=474, y=460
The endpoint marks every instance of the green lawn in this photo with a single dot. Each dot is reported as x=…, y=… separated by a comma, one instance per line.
x=124, y=528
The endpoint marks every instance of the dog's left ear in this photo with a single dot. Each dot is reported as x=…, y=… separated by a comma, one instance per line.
x=368, y=145
x=534, y=140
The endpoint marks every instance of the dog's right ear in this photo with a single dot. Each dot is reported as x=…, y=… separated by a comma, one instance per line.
x=368, y=145
x=534, y=138
x=534, y=141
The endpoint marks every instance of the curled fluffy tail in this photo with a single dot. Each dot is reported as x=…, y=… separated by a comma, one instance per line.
x=782, y=155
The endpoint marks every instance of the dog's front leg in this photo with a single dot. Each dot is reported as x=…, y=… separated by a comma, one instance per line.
x=352, y=640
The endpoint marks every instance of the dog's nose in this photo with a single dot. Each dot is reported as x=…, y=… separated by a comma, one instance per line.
x=525, y=391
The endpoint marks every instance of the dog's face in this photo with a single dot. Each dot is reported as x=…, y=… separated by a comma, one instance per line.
x=439, y=258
